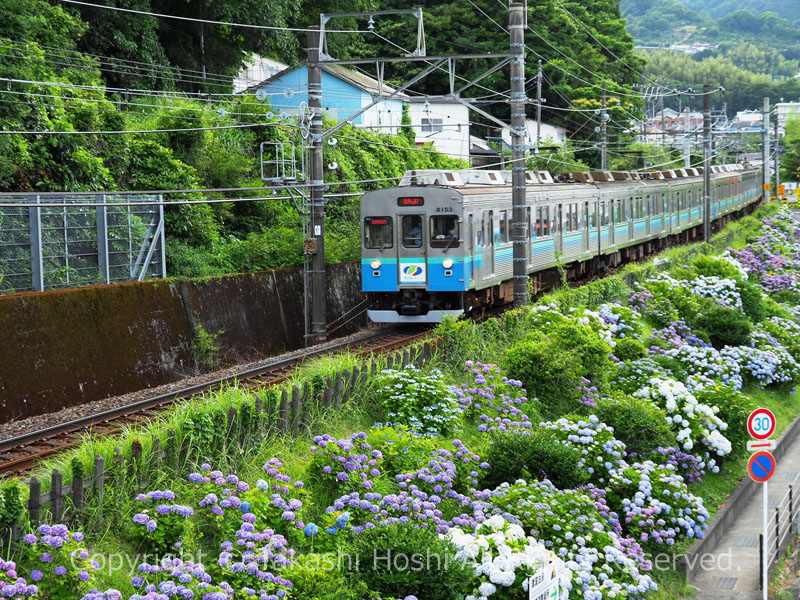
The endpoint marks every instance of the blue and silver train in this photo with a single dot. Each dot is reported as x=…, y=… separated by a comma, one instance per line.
x=440, y=243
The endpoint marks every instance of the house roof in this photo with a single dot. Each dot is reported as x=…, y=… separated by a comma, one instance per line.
x=355, y=78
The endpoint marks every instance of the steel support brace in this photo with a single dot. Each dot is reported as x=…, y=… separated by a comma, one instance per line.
x=37, y=264
x=102, y=239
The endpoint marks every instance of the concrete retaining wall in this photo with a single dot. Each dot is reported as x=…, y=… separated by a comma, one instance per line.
x=67, y=347
x=728, y=514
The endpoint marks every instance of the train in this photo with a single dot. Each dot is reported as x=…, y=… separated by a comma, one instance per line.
x=440, y=243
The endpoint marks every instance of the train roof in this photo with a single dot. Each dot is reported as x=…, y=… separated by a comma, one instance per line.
x=467, y=180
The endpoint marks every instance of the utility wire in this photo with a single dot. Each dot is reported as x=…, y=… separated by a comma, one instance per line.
x=208, y=21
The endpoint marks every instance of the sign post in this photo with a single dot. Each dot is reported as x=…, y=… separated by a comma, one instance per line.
x=760, y=467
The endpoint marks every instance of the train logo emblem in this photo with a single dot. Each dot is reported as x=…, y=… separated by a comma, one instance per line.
x=412, y=273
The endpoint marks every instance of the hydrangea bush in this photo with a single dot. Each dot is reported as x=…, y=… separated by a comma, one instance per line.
x=58, y=563
x=696, y=423
x=578, y=527
x=504, y=559
x=419, y=400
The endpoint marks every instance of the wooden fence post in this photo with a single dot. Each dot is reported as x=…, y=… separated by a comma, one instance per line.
x=295, y=410
x=283, y=411
x=35, y=502
x=406, y=357
x=338, y=389
x=136, y=463
x=99, y=483
x=77, y=494
x=327, y=393
x=56, y=495
x=389, y=362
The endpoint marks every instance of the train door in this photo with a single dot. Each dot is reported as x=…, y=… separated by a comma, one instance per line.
x=488, y=244
x=412, y=251
x=557, y=228
x=471, y=249
x=583, y=221
x=613, y=207
x=528, y=238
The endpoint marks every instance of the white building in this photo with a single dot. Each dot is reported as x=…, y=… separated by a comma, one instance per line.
x=548, y=134
x=445, y=124
x=786, y=111
x=256, y=69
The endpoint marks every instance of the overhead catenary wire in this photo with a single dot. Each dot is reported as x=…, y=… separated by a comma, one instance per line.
x=206, y=21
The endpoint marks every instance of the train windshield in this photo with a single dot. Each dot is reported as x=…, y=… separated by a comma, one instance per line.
x=378, y=232
x=444, y=232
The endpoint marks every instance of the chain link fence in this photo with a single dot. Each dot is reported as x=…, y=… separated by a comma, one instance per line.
x=54, y=241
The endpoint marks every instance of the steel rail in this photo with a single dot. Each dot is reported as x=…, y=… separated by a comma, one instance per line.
x=23, y=442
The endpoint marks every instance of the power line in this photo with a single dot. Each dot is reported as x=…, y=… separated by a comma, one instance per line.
x=113, y=132
x=208, y=21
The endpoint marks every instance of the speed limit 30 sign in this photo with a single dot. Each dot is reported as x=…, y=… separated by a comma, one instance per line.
x=761, y=423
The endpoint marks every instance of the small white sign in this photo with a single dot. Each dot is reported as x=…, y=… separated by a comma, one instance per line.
x=543, y=585
x=317, y=229
x=759, y=445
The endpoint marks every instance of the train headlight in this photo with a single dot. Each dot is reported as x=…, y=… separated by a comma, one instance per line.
x=375, y=264
x=447, y=263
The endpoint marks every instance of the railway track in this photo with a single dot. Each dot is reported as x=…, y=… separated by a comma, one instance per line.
x=19, y=454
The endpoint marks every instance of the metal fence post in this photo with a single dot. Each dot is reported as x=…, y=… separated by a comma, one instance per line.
x=37, y=268
x=161, y=240
x=777, y=531
x=102, y=239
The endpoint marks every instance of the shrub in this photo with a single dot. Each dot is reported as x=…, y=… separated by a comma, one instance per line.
x=380, y=555
x=787, y=297
x=734, y=408
x=420, y=401
x=581, y=528
x=752, y=301
x=639, y=424
x=315, y=577
x=711, y=266
x=538, y=456
x=629, y=349
x=552, y=366
x=773, y=309
x=724, y=327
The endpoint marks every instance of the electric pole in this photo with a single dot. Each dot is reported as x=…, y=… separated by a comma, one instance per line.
x=516, y=26
x=603, y=131
x=777, y=157
x=539, y=107
x=318, y=312
x=707, y=162
x=687, y=155
x=765, y=147
x=661, y=108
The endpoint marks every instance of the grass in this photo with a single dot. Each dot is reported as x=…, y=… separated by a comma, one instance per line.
x=196, y=419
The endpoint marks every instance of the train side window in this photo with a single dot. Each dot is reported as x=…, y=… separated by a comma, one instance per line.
x=503, y=227
x=378, y=232
x=412, y=231
x=444, y=232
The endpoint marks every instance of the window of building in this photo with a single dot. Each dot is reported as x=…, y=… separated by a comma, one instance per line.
x=431, y=125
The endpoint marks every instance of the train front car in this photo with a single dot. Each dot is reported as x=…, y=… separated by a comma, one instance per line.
x=412, y=254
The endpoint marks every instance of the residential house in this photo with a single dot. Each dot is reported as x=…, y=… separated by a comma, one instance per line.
x=443, y=122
